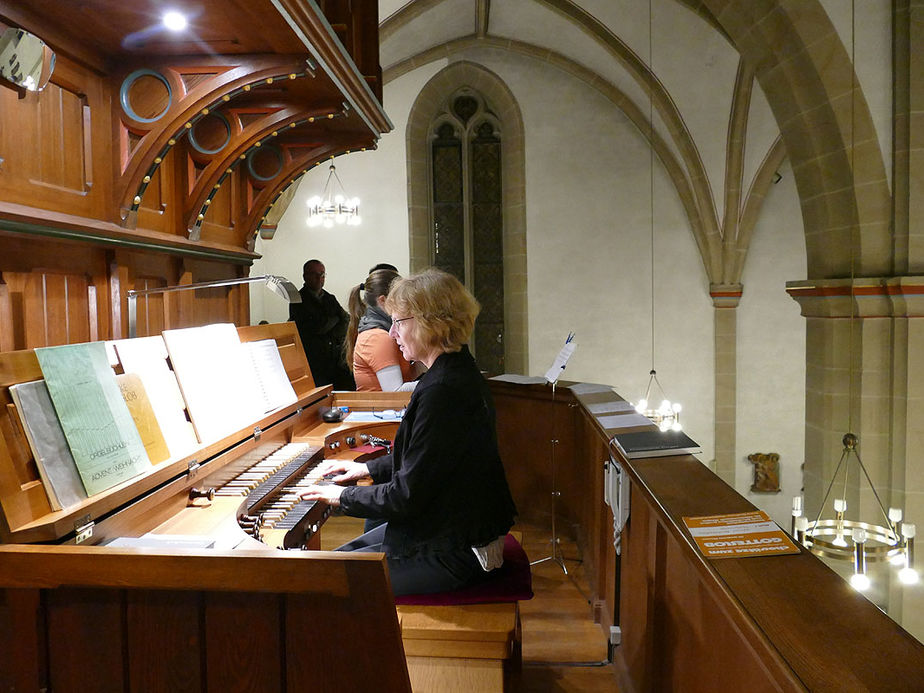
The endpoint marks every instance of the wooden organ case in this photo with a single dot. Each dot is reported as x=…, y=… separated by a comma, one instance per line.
x=153, y=160
x=242, y=616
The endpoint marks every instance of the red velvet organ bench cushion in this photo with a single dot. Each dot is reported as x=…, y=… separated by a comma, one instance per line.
x=511, y=582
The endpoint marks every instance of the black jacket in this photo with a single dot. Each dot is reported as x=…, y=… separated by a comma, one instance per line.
x=322, y=325
x=443, y=486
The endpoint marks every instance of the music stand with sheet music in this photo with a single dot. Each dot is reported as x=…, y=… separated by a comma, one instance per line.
x=551, y=376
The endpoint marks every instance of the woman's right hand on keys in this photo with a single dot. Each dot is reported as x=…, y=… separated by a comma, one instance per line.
x=345, y=470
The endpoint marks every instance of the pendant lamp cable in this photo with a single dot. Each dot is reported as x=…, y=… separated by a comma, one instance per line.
x=651, y=179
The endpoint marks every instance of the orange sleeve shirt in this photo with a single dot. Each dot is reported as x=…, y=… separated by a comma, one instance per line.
x=376, y=350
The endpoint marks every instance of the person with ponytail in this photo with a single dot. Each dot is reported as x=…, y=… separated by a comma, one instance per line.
x=372, y=354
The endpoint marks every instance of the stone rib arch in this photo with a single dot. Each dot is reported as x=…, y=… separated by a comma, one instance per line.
x=827, y=128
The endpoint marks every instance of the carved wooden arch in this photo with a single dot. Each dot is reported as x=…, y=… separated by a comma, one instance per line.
x=288, y=125
x=221, y=86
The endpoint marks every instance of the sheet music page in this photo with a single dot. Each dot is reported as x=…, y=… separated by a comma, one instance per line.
x=216, y=377
x=611, y=407
x=626, y=420
x=147, y=357
x=519, y=379
x=558, y=365
x=271, y=373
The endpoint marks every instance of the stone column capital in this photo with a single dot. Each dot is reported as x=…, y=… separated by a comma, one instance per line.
x=725, y=295
x=861, y=297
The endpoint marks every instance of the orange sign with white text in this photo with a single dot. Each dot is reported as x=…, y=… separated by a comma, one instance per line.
x=739, y=535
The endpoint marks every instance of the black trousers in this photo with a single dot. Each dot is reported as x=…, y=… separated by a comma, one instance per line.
x=421, y=574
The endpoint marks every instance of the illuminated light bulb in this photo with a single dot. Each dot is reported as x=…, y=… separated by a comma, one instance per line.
x=641, y=406
x=676, y=426
x=895, y=514
x=338, y=199
x=174, y=21
x=859, y=582
x=676, y=407
x=908, y=576
x=840, y=505
x=839, y=541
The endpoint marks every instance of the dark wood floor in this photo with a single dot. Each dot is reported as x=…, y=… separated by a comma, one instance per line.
x=563, y=649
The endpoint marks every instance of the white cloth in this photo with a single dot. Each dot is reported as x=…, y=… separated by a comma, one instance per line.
x=491, y=556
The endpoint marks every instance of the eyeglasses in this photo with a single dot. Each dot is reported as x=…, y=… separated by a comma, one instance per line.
x=397, y=321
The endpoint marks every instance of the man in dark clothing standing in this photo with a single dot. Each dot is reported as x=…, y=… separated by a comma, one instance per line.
x=322, y=324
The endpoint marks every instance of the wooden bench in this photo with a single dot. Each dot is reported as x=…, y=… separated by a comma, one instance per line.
x=468, y=639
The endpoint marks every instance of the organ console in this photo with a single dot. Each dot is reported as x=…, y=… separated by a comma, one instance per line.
x=121, y=552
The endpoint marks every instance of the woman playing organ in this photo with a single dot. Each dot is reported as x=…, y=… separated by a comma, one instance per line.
x=442, y=491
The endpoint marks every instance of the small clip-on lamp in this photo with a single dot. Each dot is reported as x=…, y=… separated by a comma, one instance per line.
x=278, y=285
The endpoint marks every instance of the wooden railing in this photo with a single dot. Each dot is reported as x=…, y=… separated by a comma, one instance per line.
x=685, y=622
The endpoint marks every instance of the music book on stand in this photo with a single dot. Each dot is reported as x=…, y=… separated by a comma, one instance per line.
x=655, y=444
x=139, y=406
x=94, y=417
x=49, y=447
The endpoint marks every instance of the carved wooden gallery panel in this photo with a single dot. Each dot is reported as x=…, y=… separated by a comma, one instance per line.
x=45, y=300
x=52, y=148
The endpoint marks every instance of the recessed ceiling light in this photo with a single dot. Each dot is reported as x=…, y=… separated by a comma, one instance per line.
x=174, y=21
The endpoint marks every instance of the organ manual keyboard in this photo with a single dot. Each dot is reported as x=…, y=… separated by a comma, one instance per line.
x=89, y=589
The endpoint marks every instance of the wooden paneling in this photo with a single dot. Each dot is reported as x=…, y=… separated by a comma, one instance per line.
x=55, y=144
x=159, y=210
x=161, y=638
x=243, y=652
x=198, y=622
x=84, y=638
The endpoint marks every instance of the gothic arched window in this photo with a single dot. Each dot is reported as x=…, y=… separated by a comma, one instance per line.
x=467, y=227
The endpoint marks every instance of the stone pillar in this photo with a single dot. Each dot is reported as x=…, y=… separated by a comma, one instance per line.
x=865, y=375
x=856, y=331
x=725, y=299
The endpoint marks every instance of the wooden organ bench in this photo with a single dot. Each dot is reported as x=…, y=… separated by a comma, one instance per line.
x=468, y=639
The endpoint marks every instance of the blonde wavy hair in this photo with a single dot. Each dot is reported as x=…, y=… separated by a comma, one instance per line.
x=443, y=309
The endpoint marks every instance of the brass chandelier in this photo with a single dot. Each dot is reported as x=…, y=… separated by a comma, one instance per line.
x=332, y=207
x=853, y=540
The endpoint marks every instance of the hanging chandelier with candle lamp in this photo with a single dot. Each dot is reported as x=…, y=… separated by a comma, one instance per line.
x=845, y=539
x=666, y=415
x=333, y=206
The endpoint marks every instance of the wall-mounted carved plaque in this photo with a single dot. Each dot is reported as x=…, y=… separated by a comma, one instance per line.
x=766, y=472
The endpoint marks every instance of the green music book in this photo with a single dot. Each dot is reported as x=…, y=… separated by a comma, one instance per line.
x=97, y=424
